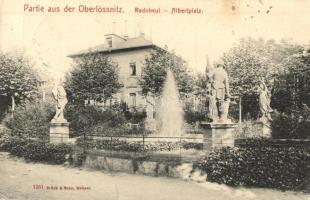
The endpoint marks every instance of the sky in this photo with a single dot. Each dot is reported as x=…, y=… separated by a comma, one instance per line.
x=49, y=37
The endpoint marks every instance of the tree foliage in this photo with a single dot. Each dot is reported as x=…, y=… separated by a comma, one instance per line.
x=155, y=70
x=18, y=79
x=94, y=77
x=250, y=61
x=31, y=121
x=292, y=88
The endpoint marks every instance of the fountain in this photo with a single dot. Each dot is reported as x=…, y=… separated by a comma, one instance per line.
x=170, y=119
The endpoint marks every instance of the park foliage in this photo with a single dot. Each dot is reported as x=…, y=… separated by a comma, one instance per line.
x=31, y=120
x=114, y=144
x=155, y=70
x=19, y=80
x=251, y=60
x=283, y=66
x=93, y=77
x=260, y=163
x=36, y=150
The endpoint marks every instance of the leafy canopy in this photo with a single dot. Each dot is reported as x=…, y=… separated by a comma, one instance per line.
x=251, y=60
x=18, y=78
x=94, y=77
x=155, y=70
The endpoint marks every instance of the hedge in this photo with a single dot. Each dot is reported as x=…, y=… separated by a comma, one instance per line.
x=260, y=164
x=292, y=125
x=37, y=150
x=31, y=121
x=119, y=145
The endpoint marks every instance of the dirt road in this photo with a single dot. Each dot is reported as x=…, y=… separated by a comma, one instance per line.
x=21, y=180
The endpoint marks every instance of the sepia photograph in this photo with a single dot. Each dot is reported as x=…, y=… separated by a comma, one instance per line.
x=154, y=100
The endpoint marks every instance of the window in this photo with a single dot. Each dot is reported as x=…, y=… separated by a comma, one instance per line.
x=133, y=70
x=132, y=100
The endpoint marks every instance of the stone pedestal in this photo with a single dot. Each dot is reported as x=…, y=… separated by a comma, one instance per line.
x=218, y=135
x=59, y=132
x=264, y=129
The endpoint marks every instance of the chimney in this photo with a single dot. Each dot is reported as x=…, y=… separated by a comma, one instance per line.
x=141, y=26
x=125, y=30
x=109, y=41
x=113, y=27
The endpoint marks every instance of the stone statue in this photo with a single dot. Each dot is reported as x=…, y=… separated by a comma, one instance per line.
x=220, y=94
x=60, y=96
x=264, y=103
x=211, y=109
x=210, y=98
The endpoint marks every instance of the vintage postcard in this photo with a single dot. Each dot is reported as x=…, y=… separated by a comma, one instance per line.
x=154, y=99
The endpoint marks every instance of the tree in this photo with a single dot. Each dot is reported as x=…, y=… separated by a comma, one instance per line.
x=250, y=61
x=292, y=88
x=18, y=79
x=94, y=77
x=155, y=70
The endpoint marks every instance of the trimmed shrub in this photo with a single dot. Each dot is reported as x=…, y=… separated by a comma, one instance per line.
x=58, y=153
x=15, y=146
x=92, y=120
x=31, y=121
x=104, y=129
x=119, y=145
x=82, y=118
x=260, y=164
x=295, y=125
x=192, y=145
x=37, y=150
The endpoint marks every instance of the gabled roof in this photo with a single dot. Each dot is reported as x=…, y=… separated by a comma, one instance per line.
x=127, y=44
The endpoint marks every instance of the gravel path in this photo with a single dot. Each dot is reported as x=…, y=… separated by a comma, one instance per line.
x=18, y=178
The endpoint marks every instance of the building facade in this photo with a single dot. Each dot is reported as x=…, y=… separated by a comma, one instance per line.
x=129, y=54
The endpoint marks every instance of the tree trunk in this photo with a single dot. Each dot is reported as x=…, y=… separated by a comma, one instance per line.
x=13, y=105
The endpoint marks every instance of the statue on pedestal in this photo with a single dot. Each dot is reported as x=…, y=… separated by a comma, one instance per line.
x=220, y=96
x=60, y=96
x=220, y=132
x=264, y=104
x=211, y=109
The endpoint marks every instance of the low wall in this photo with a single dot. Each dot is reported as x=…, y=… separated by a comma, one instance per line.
x=137, y=164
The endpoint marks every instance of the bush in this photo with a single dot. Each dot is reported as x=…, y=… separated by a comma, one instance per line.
x=31, y=121
x=14, y=145
x=260, y=164
x=84, y=118
x=119, y=145
x=194, y=116
x=192, y=145
x=58, y=152
x=104, y=129
x=295, y=125
x=135, y=116
x=92, y=120
x=36, y=150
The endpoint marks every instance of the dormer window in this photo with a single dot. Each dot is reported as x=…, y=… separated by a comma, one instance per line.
x=133, y=70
